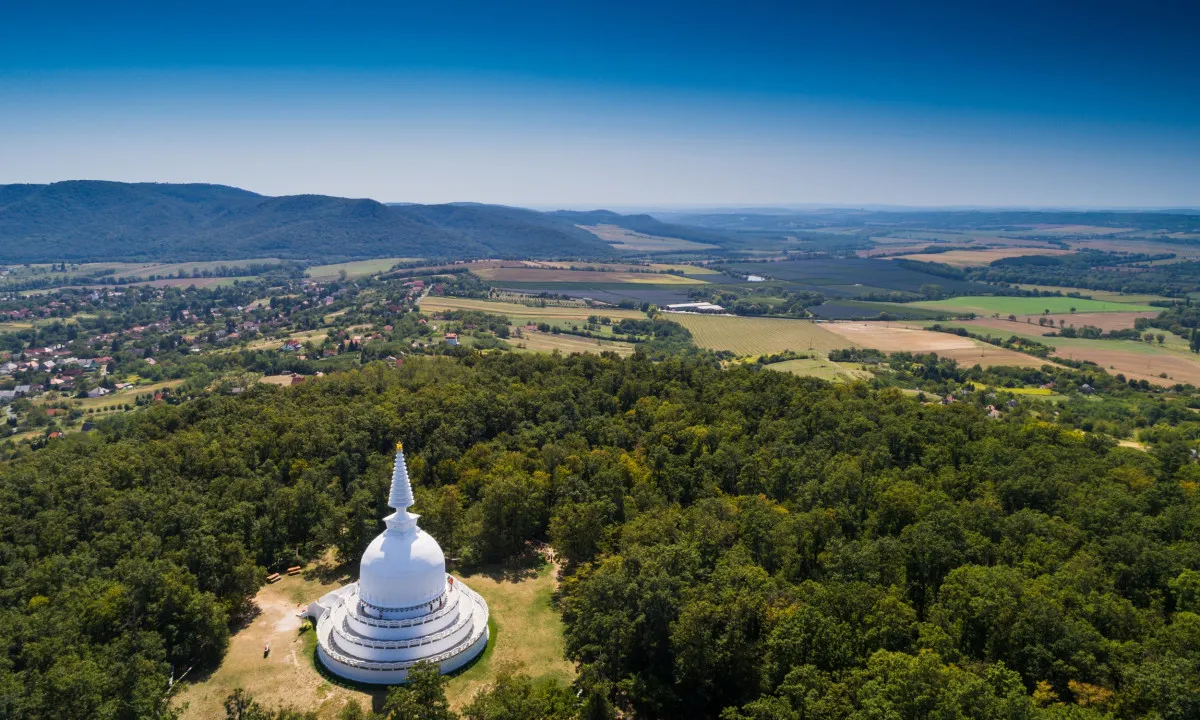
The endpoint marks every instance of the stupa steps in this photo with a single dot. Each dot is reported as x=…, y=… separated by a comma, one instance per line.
x=478, y=621
x=343, y=628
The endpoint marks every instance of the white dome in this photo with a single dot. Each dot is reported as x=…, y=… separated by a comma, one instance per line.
x=402, y=569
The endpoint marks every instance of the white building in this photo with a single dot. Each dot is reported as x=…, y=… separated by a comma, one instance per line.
x=696, y=307
x=404, y=609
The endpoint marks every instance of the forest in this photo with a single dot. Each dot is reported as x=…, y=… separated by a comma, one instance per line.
x=735, y=543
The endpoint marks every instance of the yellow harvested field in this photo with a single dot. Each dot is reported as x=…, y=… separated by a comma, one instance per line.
x=521, y=312
x=528, y=637
x=567, y=344
x=890, y=338
x=969, y=258
x=746, y=336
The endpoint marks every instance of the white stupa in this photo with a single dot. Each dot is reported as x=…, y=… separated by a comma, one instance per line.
x=404, y=609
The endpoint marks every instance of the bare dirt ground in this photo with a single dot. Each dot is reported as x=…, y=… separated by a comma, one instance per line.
x=889, y=337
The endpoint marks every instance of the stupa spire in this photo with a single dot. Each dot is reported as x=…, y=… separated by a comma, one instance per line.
x=401, y=496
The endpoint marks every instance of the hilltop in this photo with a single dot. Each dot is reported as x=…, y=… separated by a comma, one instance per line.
x=82, y=220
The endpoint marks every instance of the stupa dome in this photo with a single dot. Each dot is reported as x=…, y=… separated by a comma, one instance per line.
x=404, y=609
x=402, y=569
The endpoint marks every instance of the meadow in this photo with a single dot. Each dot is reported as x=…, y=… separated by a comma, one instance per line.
x=822, y=368
x=354, y=269
x=534, y=341
x=1003, y=305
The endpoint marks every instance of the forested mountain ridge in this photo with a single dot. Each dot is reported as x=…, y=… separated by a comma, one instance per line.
x=740, y=543
x=98, y=220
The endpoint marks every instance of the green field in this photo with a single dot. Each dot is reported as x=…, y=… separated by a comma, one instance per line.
x=822, y=368
x=355, y=269
x=990, y=304
x=749, y=336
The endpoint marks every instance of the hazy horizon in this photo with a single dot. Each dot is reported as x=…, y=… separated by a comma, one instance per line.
x=1048, y=105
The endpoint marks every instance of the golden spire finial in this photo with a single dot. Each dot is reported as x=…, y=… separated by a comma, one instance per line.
x=399, y=446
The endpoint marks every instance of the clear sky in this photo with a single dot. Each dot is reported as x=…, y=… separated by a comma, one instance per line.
x=614, y=104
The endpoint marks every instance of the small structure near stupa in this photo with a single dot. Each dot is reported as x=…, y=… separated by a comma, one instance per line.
x=404, y=609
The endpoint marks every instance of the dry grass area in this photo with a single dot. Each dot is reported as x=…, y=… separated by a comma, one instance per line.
x=969, y=258
x=527, y=636
x=521, y=312
x=888, y=337
x=623, y=239
x=1029, y=323
x=749, y=336
x=567, y=344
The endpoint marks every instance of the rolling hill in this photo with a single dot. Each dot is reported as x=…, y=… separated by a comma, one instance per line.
x=83, y=220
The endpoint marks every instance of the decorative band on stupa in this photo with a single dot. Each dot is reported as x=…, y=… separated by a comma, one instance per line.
x=404, y=609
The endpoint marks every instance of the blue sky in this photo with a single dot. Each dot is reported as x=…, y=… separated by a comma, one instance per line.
x=615, y=104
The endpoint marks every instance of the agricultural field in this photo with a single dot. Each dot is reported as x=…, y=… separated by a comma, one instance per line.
x=1105, y=321
x=1003, y=305
x=354, y=269
x=625, y=267
x=974, y=258
x=622, y=239
x=891, y=337
x=527, y=636
x=14, y=326
x=532, y=274
x=520, y=314
x=753, y=336
x=852, y=277
x=863, y=310
x=1105, y=295
x=145, y=270
x=1132, y=358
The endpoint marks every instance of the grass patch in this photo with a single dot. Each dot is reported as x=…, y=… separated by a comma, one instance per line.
x=354, y=269
x=526, y=635
x=822, y=368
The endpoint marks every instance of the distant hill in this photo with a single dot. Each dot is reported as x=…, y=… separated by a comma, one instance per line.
x=83, y=220
x=644, y=224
